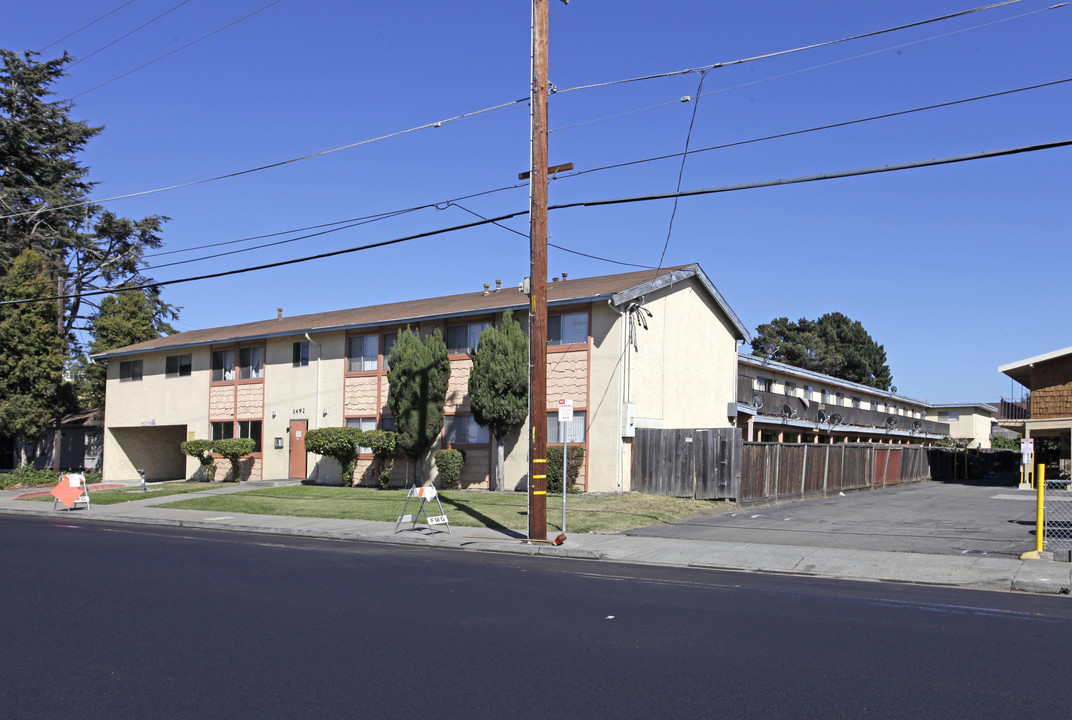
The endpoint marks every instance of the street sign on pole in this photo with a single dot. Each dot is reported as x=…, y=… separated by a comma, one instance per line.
x=565, y=420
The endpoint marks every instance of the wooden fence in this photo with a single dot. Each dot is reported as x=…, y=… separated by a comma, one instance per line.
x=704, y=464
x=780, y=471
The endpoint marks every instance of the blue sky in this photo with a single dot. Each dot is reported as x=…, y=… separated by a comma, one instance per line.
x=954, y=269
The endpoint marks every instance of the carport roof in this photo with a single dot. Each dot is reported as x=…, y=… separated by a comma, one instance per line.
x=1020, y=371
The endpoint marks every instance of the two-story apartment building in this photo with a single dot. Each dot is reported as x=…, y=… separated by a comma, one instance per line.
x=782, y=403
x=655, y=348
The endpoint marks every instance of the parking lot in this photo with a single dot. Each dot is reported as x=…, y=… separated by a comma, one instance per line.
x=961, y=517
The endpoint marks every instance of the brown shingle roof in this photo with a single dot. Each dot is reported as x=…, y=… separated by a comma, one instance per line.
x=413, y=311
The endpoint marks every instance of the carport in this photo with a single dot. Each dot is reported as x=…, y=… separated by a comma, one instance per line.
x=153, y=448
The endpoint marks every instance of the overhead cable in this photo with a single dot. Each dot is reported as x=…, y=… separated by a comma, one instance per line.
x=128, y=34
x=92, y=22
x=587, y=203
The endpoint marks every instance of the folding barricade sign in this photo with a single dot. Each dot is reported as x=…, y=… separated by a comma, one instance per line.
x=424, y=494
x=71, y=491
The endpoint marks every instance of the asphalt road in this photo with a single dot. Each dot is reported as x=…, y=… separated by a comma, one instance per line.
x=104, y=621
x=935, y=517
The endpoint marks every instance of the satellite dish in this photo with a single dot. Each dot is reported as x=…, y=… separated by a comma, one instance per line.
x=891, y=421
x=822, y=416
x=769, y=348
x=893, y=388
x=836, y=419
x=757, y=401
x=788, y=411
x=917, y=424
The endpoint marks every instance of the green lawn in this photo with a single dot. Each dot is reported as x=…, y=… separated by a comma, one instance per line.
x=111, y=497
x=584, y=513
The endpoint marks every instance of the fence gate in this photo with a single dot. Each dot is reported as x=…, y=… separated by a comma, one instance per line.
x=704, y=464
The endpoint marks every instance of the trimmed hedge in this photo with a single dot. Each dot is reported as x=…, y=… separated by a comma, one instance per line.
x=575, y=459
x=449, y=464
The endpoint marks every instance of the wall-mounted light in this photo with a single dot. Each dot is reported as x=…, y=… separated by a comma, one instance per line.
x=325, y=412
x=273, y=414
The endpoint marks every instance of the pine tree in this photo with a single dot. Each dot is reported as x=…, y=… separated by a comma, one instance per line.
x=499, y=385
x=44, y=193
x=31, y=354
x=420, y=371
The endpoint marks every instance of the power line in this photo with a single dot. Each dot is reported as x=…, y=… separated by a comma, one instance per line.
x=563, y=206
x=799, y=71
x=128, y=34
x=463, y=116
x=93, y=22
x=791, y=133
x=813, y=46
x=178, y=49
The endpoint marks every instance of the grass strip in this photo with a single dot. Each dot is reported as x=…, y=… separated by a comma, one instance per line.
x=464, y=508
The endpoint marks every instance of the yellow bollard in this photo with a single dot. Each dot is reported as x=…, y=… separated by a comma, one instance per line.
x=1040, y=515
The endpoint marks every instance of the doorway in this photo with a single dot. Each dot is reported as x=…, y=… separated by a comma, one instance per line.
x=298, y=458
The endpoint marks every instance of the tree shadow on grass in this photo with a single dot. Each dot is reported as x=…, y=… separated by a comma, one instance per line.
x=480, y=517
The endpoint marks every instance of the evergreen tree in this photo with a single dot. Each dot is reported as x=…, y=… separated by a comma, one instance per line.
x=31, y=358
x=44, y=193
x=420, y=371
x=833, y=345
x=499, y=385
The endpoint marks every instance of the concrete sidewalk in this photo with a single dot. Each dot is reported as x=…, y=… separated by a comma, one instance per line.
x=967, y=571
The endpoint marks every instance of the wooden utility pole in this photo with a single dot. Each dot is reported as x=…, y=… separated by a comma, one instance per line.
x=538, y=278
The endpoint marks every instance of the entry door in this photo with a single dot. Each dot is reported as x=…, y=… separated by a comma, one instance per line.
x=298, y=468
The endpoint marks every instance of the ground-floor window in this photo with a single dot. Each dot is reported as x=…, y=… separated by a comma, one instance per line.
x=575, y=431
x=464, y=430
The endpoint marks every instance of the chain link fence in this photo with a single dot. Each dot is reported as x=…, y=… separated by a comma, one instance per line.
x=1058, y=513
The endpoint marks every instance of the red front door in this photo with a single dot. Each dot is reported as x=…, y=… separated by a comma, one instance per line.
x=298, y=468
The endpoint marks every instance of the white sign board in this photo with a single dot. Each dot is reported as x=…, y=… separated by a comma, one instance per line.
x=1027, y=449
x=565, y=411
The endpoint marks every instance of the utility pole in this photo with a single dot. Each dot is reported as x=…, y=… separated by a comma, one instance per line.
x=538, y=278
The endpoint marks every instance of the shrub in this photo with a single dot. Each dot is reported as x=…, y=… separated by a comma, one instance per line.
x=384, y=444
x=234, y=449
x=339, y=444
x=29, y=476
x=449, y=464
x=201, y=449
x=575, y=456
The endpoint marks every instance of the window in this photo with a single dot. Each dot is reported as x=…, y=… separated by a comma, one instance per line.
x=177, y=366
x=251, y=363
x=574, y=430
x=363, y=353
x=388, y=423
x=222, y=430
x=251, y=429
x=874, y=406
x=389, y=340
x=460, y=338
x=764, y=384
x=791, y=389
x=463, y=430
x=301, y=353
x=223, y=365
x=840, y=401
x=366, y=423
x=567, y=329
x=130, y=370
x=856, y=402
x=807, y=392
x=826, y=396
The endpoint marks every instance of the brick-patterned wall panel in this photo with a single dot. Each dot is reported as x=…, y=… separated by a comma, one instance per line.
x=251, y=400
x=221, y=403
x=567, y=377
x=1051, y=396
x=475, y=470
x=458, y=387
x=361, y=396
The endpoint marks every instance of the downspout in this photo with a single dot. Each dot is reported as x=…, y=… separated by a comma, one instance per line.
x=621, y=395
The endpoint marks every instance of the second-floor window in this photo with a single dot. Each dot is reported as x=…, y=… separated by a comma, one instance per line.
x=567, y=329
x=177, y=366
x=301, y=354
x=461, y=338
x=130, y=370
x=363, y=353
